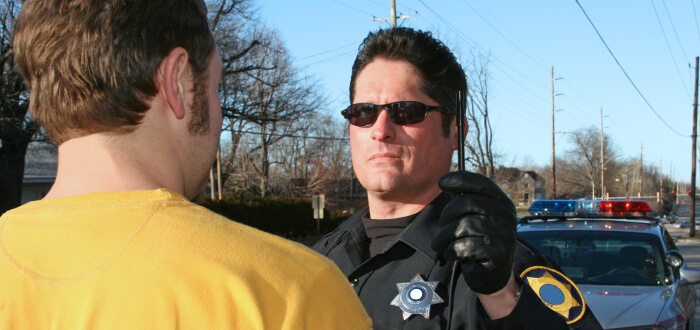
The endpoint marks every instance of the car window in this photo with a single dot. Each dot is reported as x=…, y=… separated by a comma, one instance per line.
x=670, y=244
x=602, y=257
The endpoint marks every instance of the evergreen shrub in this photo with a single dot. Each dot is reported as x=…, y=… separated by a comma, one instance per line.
x=289, y=217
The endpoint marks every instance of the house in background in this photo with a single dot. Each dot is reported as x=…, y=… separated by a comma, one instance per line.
x=523, y=187
x=40, y=165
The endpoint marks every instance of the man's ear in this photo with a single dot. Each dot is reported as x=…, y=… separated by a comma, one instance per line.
x=175, y=75
x=455, y=135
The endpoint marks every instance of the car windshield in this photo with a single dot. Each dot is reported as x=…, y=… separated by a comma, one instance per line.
x=604, y=257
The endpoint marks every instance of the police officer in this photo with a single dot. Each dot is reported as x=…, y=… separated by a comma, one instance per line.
x=432, y=250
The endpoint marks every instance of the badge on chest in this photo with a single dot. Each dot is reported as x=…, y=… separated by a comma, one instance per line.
x=416, y=297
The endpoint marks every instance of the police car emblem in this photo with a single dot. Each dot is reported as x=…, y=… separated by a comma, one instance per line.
x=416, y=297
x=557, y=291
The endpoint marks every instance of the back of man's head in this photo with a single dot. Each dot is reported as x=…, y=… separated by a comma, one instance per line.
x=441, y=74
x=91, y=65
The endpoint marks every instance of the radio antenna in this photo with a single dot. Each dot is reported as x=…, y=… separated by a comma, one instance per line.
x=461, y=95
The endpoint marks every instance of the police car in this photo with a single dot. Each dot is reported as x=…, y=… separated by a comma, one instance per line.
x=623, y=260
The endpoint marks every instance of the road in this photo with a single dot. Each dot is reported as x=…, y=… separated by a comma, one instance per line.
x=683, y=211
x=690, y=249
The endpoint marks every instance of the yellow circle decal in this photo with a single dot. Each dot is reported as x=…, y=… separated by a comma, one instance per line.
x=557, y=292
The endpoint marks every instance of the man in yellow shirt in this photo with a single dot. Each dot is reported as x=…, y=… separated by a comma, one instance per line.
x=128, y=90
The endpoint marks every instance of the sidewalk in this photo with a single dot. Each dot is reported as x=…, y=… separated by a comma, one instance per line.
x=682, y=234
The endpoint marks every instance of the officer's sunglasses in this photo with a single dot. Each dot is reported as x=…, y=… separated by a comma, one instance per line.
x=400, y=113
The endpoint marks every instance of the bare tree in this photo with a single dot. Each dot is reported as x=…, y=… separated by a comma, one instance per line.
x=630, y=178
x=480, y=138
x=235, y=25
x=265, y=101
x=16, y=127
x=580, y=172
x=317, y=160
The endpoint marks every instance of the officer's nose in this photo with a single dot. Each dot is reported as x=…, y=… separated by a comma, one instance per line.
x=383, y=128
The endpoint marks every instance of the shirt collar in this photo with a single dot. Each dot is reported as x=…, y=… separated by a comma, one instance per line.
x=419, y=234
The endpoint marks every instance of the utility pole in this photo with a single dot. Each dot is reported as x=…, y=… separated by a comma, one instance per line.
x=661, y=177
x=554, y=159
x=641, y=170
x=602, y=157
x=215, y=177
x=211, y=183
x=627, y=183
x=393, y=15
x=672, y=179
x=218, y=173
x=695, y=140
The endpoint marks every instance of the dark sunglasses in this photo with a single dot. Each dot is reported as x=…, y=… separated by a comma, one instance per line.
x=400, y=113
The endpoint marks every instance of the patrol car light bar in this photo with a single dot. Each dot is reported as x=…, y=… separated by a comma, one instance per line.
x=564, y=208
x=625, y=208
x=590, y=208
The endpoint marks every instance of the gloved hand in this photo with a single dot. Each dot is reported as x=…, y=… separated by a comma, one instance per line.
x=478, y=228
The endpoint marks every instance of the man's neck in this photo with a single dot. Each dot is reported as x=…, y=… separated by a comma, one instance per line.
x=391, y=206
x=100, y=163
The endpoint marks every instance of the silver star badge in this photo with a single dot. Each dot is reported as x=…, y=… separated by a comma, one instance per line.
x=416, y=297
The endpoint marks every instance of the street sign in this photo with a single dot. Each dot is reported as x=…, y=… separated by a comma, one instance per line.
x=318, y=203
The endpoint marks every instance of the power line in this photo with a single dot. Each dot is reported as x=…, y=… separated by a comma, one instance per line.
x=514, y=45
x=577, y=108
x=615, y=126
x=292, y=136
x=533, y=116
x=697, y=27
x=328, y=51
x=674, y=30
x=353, y=8
x=379, y=4
x=408, y=8
x=332, y=58
x=504, y=37
x=663, y=32
x=495, y=18
x=625, y=72
x=523, y=86
x=585, y=99
x=472, y=42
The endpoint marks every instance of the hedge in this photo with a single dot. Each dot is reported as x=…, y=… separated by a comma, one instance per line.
x=289, y=217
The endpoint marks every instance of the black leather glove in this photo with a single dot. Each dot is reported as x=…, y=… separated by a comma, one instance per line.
x=478, y=228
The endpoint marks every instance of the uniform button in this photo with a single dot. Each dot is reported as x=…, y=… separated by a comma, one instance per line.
x=354, y=282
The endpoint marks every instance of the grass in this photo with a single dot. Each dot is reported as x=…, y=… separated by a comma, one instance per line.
x=683, y=238
x=521, y=210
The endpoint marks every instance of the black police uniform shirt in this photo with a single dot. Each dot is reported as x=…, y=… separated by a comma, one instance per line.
x=375, y=278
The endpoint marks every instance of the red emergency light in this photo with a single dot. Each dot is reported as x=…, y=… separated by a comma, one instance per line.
x=625, y=208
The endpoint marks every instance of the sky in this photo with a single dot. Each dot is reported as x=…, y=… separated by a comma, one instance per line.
x=646, y=99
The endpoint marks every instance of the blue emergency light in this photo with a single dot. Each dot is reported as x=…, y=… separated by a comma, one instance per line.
x=560, y=208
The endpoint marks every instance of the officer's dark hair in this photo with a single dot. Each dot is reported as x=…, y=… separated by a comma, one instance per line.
x=440, y=73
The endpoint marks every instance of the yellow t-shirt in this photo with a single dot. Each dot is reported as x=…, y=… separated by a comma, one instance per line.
x=154, y=260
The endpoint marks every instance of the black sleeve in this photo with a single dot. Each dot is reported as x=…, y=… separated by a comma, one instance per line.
x=322, y=245
x=529, y=313
x=527, y=256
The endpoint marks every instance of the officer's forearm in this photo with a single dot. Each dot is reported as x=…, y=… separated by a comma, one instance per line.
x=500, y=303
